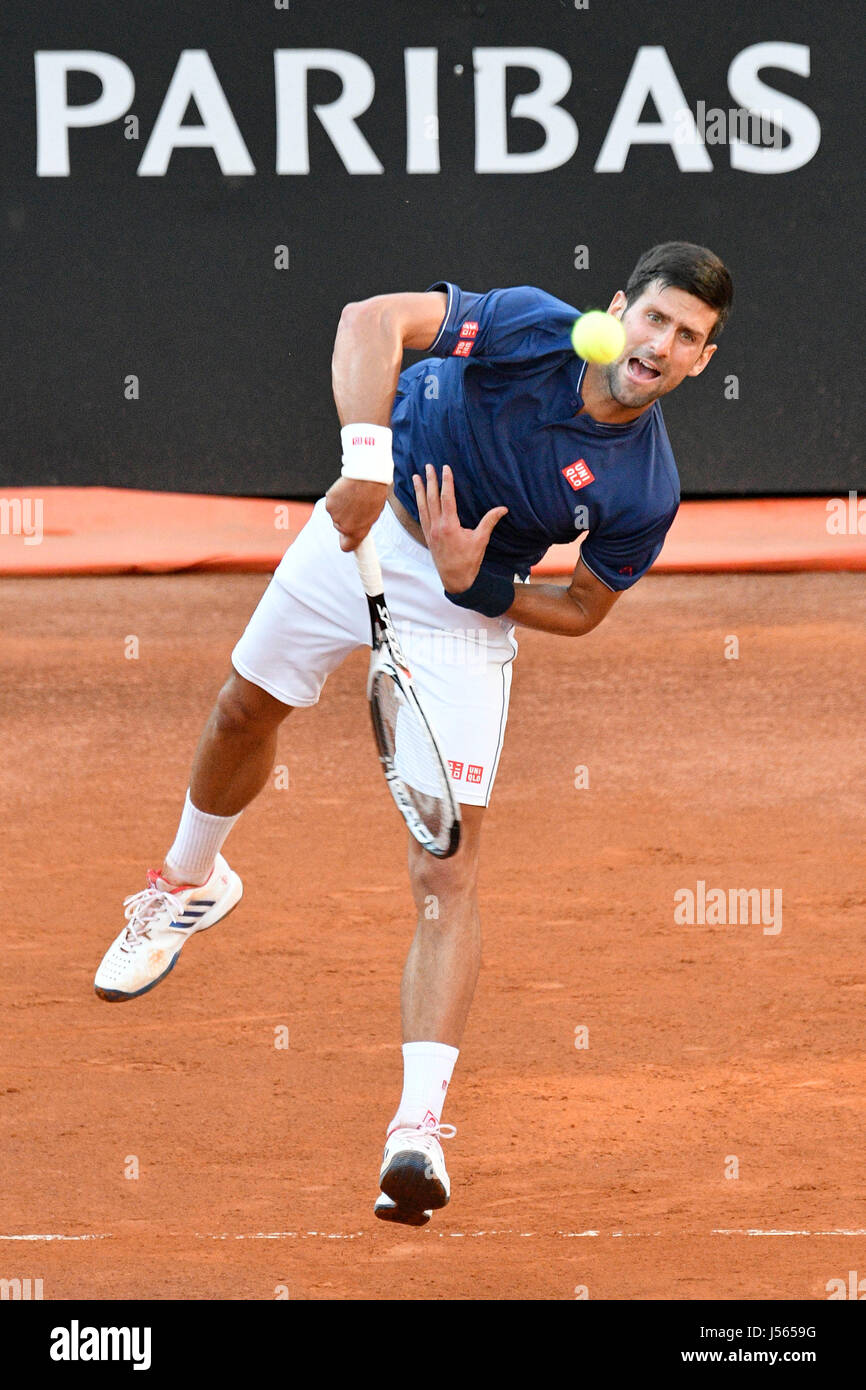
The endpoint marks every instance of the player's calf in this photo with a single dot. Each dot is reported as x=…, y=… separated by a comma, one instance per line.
x=237, y=748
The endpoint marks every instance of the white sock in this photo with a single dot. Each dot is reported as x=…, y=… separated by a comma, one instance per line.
x=427, y=1068
x=198, y=841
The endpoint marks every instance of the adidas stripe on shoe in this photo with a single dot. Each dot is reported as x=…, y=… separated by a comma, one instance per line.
x=159, y=921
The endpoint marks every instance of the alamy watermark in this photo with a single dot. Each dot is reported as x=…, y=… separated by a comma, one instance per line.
x=713, y=125
x=854, y=1287
x=21, y=1290
x=720, y=907
x=846, y=516
x=77, y=1343
x=22, y=516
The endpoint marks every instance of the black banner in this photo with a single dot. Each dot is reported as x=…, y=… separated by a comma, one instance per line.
x=88, y=1340
x=192, y=192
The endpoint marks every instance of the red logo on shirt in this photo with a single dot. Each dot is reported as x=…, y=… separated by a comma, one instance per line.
x=578, y=474
x=456, y=770
x=469, y=329
x=626, y=569
x=474, y=773
x=463, y=348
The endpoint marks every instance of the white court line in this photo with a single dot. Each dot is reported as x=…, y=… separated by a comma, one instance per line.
x=106, y=1236
x=446, y=1235
x=854, y=1232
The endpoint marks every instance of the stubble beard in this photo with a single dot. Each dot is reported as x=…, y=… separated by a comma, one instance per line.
x=625, y=392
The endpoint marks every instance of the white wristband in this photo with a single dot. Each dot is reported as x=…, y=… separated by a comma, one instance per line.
x=367, y=453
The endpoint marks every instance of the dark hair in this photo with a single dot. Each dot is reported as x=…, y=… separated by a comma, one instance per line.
x=681, y=265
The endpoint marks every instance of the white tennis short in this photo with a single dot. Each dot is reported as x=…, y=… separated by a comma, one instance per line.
x=314, y=612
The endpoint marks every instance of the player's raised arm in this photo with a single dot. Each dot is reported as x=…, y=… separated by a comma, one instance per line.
x=368, y=354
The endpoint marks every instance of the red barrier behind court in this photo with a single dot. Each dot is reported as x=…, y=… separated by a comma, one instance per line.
x=118, y=531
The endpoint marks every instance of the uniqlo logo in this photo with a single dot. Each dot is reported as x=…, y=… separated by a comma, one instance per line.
x=469, y=329
x=456, y=770
x=626, y=569
x=463, y=348
x=474, y=773
x=578, y=474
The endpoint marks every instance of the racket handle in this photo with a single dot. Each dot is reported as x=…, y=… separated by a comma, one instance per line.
x=369, y=567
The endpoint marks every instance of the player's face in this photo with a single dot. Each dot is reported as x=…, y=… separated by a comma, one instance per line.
x=666, y=341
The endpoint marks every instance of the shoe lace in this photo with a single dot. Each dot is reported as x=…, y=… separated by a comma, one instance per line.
x=141, y=908
x=424, y=1133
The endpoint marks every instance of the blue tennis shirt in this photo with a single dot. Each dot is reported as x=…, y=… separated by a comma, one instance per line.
x=497, y=401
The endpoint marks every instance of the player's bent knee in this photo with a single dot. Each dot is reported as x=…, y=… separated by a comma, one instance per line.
x=242, y=707
x=455, y=878
x=443, y=879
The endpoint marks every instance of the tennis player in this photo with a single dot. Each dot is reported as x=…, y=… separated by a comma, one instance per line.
x=464, y=468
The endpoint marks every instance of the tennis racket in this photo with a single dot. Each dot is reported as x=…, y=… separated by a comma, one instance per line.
x=409, y=752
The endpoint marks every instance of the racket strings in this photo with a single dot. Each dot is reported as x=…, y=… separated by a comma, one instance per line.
x=410, y=757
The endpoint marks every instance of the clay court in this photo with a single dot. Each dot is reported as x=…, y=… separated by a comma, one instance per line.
x=597, y=1170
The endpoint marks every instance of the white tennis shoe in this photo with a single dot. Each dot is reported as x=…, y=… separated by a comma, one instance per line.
x=413, y=1172
x=159, y=920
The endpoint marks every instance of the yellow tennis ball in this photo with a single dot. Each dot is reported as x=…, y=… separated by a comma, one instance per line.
x=598, y=337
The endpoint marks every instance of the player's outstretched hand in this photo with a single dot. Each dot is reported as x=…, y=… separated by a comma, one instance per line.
x=353, y=506
x=457, y=550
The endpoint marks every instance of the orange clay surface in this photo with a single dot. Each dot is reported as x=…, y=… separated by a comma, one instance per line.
x=711, y=1049
x=103, y=530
